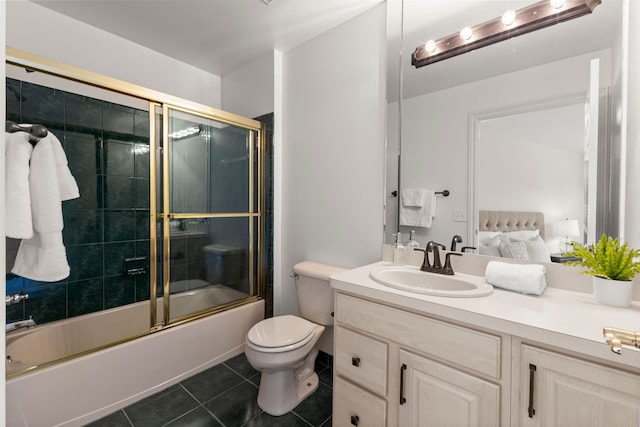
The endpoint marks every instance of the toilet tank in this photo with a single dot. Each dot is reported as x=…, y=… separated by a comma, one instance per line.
x=315, y=295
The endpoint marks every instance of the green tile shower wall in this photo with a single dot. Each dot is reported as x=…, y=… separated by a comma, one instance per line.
x=107, y=147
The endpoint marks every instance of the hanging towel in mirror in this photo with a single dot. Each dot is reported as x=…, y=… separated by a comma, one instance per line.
x=418, y=216
x=414, y=197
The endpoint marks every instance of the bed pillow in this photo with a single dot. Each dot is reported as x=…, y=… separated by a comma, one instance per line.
x=485, y=236
x=522, y=234
x=516, y=250
x=537, y=250
x=490, y=247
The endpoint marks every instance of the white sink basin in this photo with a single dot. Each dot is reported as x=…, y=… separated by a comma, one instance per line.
x=411, y=279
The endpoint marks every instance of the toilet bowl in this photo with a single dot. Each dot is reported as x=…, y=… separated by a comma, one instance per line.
x=284, y=348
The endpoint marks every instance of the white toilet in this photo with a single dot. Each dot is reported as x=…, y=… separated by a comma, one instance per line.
x=284, y=348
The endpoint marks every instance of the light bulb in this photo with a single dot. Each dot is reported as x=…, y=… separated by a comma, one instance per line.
x=508, y=18
x=557, y=4
x=465, y=33
x=430, y=46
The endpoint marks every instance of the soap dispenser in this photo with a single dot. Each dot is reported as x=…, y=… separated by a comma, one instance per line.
x=398, y=250
x=411, y=243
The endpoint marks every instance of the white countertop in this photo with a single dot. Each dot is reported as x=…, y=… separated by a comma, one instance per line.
x=560, y=318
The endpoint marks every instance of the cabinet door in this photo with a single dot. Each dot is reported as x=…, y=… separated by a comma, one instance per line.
x=561, y=391
x=435, y=395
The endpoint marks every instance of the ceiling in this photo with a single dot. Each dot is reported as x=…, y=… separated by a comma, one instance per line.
x=217, y=36
x=221, y=35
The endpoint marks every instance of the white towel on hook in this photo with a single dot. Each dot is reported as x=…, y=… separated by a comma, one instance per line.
x=43, y=257
x=419, y=216
x=17, y=203
x=66, y=182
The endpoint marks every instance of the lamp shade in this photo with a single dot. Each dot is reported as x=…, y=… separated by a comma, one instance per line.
x=568, y=227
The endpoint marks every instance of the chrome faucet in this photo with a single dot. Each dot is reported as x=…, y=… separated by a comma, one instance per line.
x=15, y=298
x=20, y=324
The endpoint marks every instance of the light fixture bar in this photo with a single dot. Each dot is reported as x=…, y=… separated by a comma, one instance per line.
x=539, y=15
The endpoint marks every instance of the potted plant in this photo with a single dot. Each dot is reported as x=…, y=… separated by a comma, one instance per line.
x=612, y=265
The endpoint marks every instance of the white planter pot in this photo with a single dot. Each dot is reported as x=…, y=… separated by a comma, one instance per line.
x=612, y=292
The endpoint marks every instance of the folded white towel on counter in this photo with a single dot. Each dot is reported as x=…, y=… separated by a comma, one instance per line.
x=419, y=216
x=523, y=278
x=17, y=203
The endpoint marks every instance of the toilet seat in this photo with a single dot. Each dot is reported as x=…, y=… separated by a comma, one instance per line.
x=281, y=333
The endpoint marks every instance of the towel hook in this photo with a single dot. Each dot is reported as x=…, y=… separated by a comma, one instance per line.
x=36, y=132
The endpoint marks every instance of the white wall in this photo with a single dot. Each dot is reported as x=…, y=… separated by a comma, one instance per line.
x=333, y=150
x=435, y=131
x=3, y=267
x=40, y=31
x=632, y=211
x=249, y=90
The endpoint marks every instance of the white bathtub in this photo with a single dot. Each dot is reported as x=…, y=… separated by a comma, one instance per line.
x=86, y=388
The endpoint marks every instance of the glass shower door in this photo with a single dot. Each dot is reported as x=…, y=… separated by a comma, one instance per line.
x=210, y=214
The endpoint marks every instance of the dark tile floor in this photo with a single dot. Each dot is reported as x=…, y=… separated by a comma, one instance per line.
x=224, y=395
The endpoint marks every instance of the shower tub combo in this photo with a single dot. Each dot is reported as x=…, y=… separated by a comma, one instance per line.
x=185, y=202
x=86, y=388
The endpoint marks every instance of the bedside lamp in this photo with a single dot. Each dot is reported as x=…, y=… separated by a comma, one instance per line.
x=567, y=228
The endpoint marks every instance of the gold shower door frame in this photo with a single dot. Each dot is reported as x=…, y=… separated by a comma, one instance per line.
x=255, y=209
x=159, y=100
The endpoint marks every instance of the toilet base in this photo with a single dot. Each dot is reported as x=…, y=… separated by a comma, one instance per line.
x=280, y=392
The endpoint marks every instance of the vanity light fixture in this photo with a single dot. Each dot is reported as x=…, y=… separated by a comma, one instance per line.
x=511, y=24
x=466, y=33
x=508, y=18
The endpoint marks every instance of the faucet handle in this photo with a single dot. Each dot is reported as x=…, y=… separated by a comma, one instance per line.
x=448, y=270
x=425, y=262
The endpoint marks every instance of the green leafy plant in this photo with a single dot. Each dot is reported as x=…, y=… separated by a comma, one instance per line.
x=608, y=259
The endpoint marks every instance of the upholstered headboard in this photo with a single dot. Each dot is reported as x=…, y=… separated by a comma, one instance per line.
x=511, y=221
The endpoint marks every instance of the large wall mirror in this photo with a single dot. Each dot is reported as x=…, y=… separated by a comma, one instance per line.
x=530, y=124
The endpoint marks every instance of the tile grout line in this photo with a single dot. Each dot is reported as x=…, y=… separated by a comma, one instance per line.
x=127, y=417
x=201, y=404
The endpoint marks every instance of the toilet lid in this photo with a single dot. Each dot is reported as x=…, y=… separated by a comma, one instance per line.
x=280, y=331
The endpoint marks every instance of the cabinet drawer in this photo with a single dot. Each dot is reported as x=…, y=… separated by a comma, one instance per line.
x=354, y=406
x=361, y=359
x=474, y=350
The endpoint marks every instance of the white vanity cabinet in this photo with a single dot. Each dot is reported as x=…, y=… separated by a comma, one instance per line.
x=563, y=391
x=504, y=360
x=397, y=368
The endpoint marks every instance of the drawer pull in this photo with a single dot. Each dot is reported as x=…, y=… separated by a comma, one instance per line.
x=355, y=420
x=355, y=361
x=402, y=398
x=532, y=370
